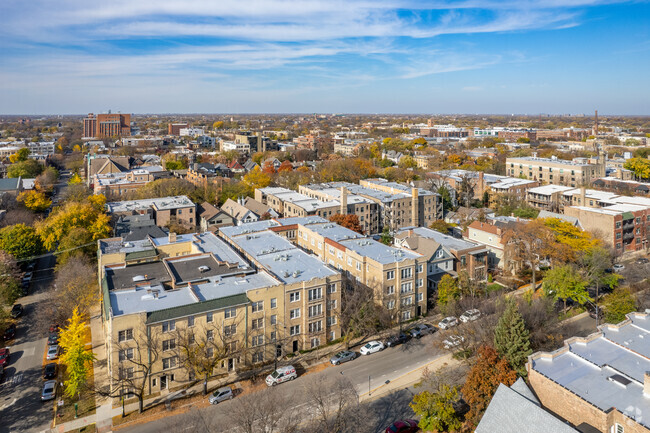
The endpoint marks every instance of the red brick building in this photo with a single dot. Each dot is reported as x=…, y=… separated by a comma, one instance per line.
x=107, y=125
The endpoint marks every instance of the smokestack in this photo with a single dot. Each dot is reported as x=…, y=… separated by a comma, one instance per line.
x=415, y=207
x=596, y=124
x=344, y=200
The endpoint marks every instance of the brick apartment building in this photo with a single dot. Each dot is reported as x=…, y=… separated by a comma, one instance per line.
x=575, y=173
x=600, y=383
x=107, y=125
x=175, y=128
x=166, y=210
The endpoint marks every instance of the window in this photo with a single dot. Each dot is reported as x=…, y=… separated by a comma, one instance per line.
x=390, y=290
x=390, y=275
x=331, y=288
x=390, y=305
x=315, y=327
x=257, y=323
x=125, y=354
x=231, y=347
x=420, y=268
x=358, y=266
x=420, y=282
x=168, y=326
x=127, y=334
x=258, y=356
x=209, y=317
x=274, y=319
x=618, y=224
x=406, y=287
x=170, y=362
x=420, y=297
x=230, y=312
x=331, y=320
x=295, y=313
x=315, y=310
x=315, y=294
x=618, y=235
x=331, y=304
x=406, y=315
x=229, y=331
x=407, y=301
x=407, y=273
x=618, y=428
x=274, y=303
x=191, y=338
x=190, y=321
x=313, y=242
x=257, y=306
x=126, y=373
x=315, y=342
x=169, y=344
x=274, y=336
x=294, y=297
x=257, y=340
x=294, y=330
x=209, y=334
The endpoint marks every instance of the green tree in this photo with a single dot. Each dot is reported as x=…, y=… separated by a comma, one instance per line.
x=441, y=226
x=445, y=195
x=564, y=283
x=26, y=169
x=448, y=290
x=10, y=274
x=617, y=304
x=512, y=339
x=386, y=237
x=75, y=357
x=21, y=241
x=436, y=409
x=20, y=155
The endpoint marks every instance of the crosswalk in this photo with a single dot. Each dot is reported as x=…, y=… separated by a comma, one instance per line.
x=13, y=379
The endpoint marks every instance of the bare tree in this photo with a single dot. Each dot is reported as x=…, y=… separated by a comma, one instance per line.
x=267, y=411
x=359, y=314
x=334, y=405
x=137, y=354
x=76, y=287
x=531, y=243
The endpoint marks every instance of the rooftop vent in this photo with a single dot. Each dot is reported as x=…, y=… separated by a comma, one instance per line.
x=204, y=268
x=138, y=278
x=621, y=380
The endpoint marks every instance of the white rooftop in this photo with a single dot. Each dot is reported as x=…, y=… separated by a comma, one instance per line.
x=163, y=203
x=377, y=251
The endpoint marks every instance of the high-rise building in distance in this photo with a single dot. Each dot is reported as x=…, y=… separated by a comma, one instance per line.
x=107, y=125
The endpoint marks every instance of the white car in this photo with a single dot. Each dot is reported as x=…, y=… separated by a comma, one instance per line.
x=282, y=374
x=453, y=341
x=448, y=322
x=372, y=347
x=52, y=352
x=618, y=267
x=470, y=316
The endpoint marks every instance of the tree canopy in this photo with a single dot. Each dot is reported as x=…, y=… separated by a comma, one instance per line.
x=28, y=169
x=617, y=304
x=436, y=409
x=34, y=200
x=21, y=241
x=512, y=339
x=349, y=221
x=565, y=282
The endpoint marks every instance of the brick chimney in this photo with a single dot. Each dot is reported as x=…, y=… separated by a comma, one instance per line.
x=481, y=183
x=344, y=200
x=172, y=237
x=583, y=196
x=415, y=207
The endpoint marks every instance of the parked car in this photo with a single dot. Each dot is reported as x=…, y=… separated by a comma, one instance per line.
x=53, y=339
x=372, y=347
x=343, y=356
x=470, y=315
x=10, y=332
x=4, y=356
x=424, y=328
x=448, y=322
x=49, y=372
x=413, y=332
x=397, y=339
x=54, y=328
x=221, y=394
x=49, y=390
x=618, y=267
x=453, y=341
x=28, y=276
x=16, y=311
x=403, y=426
x=52, y=352
x=642, y=261
x=280, y=375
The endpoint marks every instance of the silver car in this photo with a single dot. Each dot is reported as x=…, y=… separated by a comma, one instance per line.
x=52, y=352
x=221, y=394
x=448, y=322
x=470, y=315
x=453, y=341
x=49, y=390
x=343, y=356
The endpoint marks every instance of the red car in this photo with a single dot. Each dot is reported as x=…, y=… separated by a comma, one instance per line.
x=403, y=426
x=4, y=356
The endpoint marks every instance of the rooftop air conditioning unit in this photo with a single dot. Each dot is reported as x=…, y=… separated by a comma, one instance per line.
x=204, y=268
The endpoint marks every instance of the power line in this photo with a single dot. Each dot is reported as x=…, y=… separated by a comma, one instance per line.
x=54, y=253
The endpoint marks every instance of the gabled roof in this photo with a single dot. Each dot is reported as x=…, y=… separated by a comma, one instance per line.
x=206, y=211
x=10, y=184
x=235, y=165
x=236, y=210
x=257, y=207
x=516, y=410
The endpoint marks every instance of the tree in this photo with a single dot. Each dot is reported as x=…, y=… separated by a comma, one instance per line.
x=445, y=195
x=564, y=283
x=76, y=279
x=640, y=167
x=286, y=166
x=483, y=380
x=386, y=237
x=441, y=226
x=75, y=180
x=448, y=290
x=10, y=275
x=28, y=169
x=359, y=314
x=407, y=162
x=75, y=356
x=266, y=411
x=333, y=403
x=530, y=243
x=511, y=338
x=21, y=241
x=88, y=215
x=573, y=240
x=350, y=221
x=617, y=304
x=218, y=124
x=436, y=409
x=466, y=191
x=34, y=200
x=45, y=181
x=256, y=179
x=594, y=264
x=21, y=155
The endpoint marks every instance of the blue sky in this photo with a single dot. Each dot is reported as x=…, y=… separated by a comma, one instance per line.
x=392, y=56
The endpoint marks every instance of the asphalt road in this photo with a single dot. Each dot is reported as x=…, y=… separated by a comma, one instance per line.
x=389, y=364
x=21, y=409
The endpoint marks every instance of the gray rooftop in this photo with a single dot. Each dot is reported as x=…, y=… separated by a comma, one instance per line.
x=334, y=231
x=313, y=219
x=117, y=245
x=445, y=240
x=153, y=273
x=590, y=367
x=208, y=242
x=379, y=252
x=199, y=268
x=164, y=203
x=252, y=227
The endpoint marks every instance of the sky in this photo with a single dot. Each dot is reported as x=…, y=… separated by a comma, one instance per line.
x=325, y=56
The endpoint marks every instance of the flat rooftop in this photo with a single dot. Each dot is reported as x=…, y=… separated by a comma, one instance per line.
x=152, y=273
x=550, y=189
x=196, y=268
x=164, y=203
x=312, y=219
x=117, y=245
x=529, y=159
x=442, y=239
x=379, y=252
x=605, y=369
x=208, y=242
x=253, y=227
x=333, y=231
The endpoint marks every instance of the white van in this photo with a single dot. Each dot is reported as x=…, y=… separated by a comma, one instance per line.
x=280, y=375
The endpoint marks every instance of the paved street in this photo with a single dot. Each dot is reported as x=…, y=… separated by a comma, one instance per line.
x=21, y=409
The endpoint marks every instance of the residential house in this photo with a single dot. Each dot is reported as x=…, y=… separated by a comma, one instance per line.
x=211, y=217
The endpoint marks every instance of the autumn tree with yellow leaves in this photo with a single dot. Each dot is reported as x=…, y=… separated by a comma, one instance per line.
x=34, y=200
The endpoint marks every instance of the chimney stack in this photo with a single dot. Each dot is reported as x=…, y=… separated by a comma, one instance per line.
x=415, y=207
x=344, y=200
x=481, y=183
x=583, y=196
x=172, y=237
x=595, y=131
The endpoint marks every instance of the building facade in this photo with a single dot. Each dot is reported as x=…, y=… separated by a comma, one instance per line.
x=107, y=125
